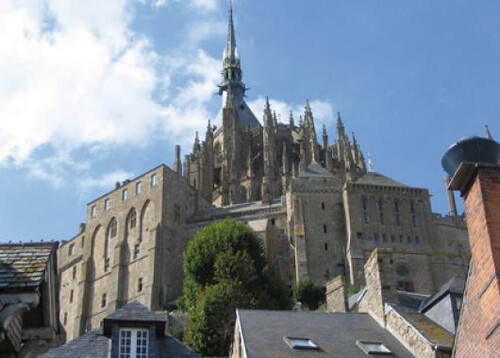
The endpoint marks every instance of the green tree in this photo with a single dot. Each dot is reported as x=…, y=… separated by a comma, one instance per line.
x=225, y=269
x=308, y=294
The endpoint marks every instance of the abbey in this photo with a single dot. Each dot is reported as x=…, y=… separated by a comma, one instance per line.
x=318, y=207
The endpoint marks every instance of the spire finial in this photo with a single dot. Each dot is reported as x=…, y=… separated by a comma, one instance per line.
x=488, y=133
x=371, y=168
x=308, y=106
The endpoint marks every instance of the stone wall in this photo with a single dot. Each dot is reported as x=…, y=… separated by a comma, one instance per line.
x=335, y=295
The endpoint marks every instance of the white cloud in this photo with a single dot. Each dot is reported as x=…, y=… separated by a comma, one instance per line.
x=74, y=75
x=105, y=181
x=208, y=5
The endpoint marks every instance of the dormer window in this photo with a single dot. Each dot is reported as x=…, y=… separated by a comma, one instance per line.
x=133, y=343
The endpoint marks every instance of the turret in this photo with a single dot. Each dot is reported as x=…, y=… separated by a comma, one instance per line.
x=177, y=161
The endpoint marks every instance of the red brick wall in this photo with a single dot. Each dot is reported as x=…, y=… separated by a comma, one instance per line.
x=479, y=326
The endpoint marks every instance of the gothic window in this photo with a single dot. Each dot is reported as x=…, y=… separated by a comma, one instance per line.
x=366, y=218
x=112, y=228
x=133, y=219
x=381, y=211
x=396, y=210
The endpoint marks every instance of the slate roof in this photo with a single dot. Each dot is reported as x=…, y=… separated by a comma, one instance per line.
x=334, y=333
x=94, y=344
x=372, y=178
x=22, y=266
x=97, y=343
x=134, y=312
x=315, y=170
x=455, y=285
x=433, y=332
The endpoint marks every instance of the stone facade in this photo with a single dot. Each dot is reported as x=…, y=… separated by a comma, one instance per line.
x=317, y=207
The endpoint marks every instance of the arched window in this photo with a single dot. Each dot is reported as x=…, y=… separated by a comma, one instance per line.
x=112, y=228
x=132, y=219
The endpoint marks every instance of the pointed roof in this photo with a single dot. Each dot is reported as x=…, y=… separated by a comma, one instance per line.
x=373, y=178
x=134, y=312
x=231, y=38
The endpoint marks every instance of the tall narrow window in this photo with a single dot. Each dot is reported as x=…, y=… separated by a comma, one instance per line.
x=74, y=272
x=322, y=206
x=107, y=204
x=366, y=218
x=154, y=180
x=103, y=300
x=65, y=321
x=125, y=194
x=139, y=284
x=71, y=249
x=133, y=219
x=381, y=212
x=137, y=250
x=413, y=214
x=93, y=211
x=113, y=229
x=71, y=296
x=325, y=229
x=398, y=215
x=138, y=188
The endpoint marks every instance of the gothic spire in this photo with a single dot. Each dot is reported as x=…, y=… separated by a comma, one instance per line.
x=231, y=73
x=291, y=121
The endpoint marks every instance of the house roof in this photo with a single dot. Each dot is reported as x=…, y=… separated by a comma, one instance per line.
x=22, y=266
x=95, y=344
x=430, y=330
x=455, y=285
x=373, y=178
x=335, y=333
x=134, y=312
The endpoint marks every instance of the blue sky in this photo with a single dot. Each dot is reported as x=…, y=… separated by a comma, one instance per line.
x=93, y=92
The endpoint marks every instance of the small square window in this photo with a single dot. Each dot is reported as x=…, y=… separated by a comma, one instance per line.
x=154, y=180
x=373, y=347
x=93, y=211
x=71, y=249
x=125, y=194
x=300, y=343
x=138, y=188
x=107, y=204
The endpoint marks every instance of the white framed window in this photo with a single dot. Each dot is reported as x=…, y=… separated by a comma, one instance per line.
x=154, y=180
x=107, y=204
x=124, y=194
x=138, y=188
x=133, y=343
x=93, y=211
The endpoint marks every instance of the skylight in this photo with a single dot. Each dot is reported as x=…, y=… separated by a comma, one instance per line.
x=373, y=347
x=300, y=343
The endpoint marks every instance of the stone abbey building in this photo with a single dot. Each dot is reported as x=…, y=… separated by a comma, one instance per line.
x=315, y=203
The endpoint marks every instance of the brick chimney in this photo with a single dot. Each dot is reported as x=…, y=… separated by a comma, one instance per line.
x=474, y=164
